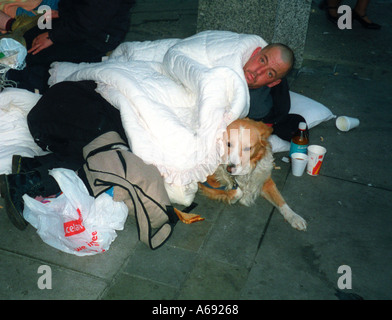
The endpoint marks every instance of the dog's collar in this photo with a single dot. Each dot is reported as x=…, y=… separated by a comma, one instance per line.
x=235, y=186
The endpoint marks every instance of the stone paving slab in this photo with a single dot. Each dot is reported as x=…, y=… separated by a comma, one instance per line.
x=19, y=278
x=342, y=230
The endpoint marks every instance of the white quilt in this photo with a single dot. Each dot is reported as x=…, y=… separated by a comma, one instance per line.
x=15, y=136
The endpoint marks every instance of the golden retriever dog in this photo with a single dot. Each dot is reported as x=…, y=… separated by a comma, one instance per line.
x=246, y=170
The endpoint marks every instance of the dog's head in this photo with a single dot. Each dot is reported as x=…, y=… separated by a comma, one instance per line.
x=245, y=142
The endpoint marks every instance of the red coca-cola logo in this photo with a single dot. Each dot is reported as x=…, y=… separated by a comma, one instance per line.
x=74, y=226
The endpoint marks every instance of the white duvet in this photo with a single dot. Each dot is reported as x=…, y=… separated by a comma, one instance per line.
x=175, y=96
x=15, y=136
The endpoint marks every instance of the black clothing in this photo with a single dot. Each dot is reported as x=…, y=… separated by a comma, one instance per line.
x=66, y=118
x=287, y=126
x=277, y=101
x=260, y=102
x=85, y=31
x=35, y=75
x=69, y=116
x=100, y=23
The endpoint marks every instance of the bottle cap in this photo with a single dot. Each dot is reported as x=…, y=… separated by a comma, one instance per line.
x=302, y=126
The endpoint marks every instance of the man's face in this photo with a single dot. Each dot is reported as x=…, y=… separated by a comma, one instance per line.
x=264, y=68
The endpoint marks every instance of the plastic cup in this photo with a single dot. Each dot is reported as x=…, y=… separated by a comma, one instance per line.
x=344, y=123
x=315, y=159
x=298, y=163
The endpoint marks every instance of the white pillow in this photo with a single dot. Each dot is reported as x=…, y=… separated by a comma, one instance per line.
x=313, y=112
x=278, y=144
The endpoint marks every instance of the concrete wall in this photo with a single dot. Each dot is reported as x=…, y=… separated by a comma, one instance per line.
x=283, y=21
x=161, y=19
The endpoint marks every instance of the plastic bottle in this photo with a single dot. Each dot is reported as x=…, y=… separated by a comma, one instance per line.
x=300, y=140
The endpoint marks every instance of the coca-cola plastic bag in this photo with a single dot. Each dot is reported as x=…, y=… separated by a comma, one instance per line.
x=75, y=222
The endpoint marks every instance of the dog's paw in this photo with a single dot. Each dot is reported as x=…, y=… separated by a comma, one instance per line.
x=294, y=219
x=297, y=222
x=235, y=195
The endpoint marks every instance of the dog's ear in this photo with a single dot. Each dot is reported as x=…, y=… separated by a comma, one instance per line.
x=265, y=131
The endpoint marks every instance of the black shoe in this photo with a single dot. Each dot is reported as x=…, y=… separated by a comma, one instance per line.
x=24, y=164
x=13, y=187
x=17, y=164
x=324, y=6
x=364, y=23
x=13, y=203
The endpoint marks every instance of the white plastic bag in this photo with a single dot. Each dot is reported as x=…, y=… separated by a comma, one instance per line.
x=14, y=54
x=75, y=222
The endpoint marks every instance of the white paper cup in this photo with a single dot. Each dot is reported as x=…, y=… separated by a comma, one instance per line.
x=344, y=123
x=298, y=163
x=315, y=159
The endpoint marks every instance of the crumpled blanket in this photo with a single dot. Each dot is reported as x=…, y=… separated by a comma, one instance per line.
x=176, y=98
x=15, y=137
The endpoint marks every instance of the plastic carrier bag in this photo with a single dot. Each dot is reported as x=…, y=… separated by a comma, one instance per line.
x=12, y=54
x=74, y=222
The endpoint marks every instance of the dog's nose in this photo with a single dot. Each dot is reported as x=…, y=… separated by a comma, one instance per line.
x=230, y=167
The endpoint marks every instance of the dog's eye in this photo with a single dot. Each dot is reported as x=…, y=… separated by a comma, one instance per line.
x=228, y=144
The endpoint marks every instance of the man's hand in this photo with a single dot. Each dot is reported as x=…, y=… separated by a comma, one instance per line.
x=40, y=43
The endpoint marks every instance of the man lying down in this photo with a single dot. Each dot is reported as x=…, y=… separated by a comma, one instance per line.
x=170, y=99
